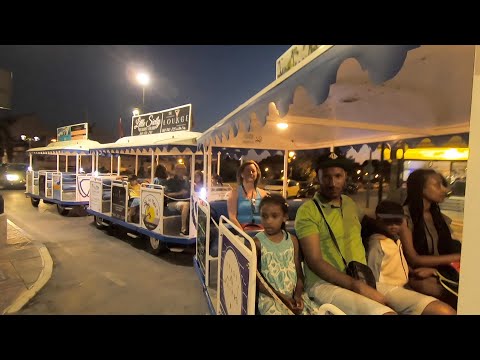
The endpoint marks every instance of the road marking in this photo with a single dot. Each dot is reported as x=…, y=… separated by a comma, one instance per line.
x=113, y=278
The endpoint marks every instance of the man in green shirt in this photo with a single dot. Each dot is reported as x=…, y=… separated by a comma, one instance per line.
x=326, y=280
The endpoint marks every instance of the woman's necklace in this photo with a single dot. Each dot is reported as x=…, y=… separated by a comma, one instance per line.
x=252, y=202
x=246, y=194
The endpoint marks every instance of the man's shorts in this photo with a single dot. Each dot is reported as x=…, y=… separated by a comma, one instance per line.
x=401, y=300
x=177, y=205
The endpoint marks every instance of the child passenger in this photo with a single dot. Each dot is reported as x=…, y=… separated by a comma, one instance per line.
x=386, y=259
x=134, y=196
x=279, y=262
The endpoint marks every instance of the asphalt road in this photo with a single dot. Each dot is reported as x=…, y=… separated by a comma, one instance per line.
x=96, y=273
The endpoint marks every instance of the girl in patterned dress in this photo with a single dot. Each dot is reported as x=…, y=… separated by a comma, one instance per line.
x=279, y=262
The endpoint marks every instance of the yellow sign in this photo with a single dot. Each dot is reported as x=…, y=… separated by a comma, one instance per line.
x=433, y=153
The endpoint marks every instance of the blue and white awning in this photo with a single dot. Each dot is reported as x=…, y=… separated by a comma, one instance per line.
x=70, y=147
x=174, y=143
x=356, y=94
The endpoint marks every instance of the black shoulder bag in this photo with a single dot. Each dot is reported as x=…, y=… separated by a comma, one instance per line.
x=355, y=269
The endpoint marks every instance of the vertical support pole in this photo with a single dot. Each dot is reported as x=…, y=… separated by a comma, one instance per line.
x=192, y=174
x=370, y=169
x=285, y=173
x=209, y=170
x=469, y=291
x=152, y=168
x=380, y=186
x=205, y=161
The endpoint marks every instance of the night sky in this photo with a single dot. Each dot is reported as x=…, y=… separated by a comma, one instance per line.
x=64, y=85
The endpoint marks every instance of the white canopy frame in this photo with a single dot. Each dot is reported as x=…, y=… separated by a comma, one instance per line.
x=427, y=93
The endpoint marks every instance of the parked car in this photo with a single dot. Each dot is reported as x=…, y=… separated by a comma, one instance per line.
x=458, y=188
x=351, y=188
x=13, y=175
x=276, y=186
x=308, y=191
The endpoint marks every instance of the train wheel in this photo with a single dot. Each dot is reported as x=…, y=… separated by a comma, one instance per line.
x=155, y=246
x=99, y=222
x=62, y=210
x=35, y=202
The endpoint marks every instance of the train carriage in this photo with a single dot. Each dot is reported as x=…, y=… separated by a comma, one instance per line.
x=346, y=95
x=68, y=186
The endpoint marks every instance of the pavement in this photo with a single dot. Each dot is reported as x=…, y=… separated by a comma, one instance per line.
x=25, y=267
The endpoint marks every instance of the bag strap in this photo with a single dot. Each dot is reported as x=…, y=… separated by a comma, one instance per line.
x=330, y=230
x=444, y=282
x=271, y=292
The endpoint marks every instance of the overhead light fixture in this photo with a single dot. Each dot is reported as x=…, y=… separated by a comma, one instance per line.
x=282, y=125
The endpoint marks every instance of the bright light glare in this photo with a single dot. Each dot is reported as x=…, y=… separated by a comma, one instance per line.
x=95, y=173
x=282, y=125
x=12, y=177
x=23, y=137
x=203, y=193
x=36, y=138
x=30, y=168
x=143, y=79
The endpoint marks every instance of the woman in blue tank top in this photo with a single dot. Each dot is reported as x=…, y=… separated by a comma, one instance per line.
x=244, y=201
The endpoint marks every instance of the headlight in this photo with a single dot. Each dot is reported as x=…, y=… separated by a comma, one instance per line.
x=12, y=177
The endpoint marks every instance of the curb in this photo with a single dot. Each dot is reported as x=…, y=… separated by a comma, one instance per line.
x=45, y=274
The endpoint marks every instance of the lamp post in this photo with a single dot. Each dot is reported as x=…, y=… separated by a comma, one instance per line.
x=29, y=139
x=143, y=79
x=291, y=156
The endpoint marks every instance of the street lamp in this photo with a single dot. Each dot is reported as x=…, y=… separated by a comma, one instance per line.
x=29, y=139
x=291, y=156
x=143, y=79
